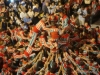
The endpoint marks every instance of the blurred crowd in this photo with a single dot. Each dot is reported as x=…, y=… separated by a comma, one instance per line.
x=49, y=37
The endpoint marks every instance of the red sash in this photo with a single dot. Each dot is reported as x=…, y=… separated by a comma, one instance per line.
x=35, y=29
x=50, y=73
x=26, y=53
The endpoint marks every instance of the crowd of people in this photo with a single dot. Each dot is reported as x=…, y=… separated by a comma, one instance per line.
x=49, y=37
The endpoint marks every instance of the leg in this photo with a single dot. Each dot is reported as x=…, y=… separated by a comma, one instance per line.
x=33, y=39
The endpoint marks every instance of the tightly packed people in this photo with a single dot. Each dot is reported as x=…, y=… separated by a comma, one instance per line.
x=48, y=38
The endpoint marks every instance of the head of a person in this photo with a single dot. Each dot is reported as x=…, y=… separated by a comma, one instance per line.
x=11, y=21
x=22, y=24
x=59, y=3
x=61, y=14
x=42, y=33
x=44, y=18
x=37, y=5
x=30, y=9
x=86, y=24
x=72, y=16
x=57, y=7
x=53, y=4
x=3, y=19
x=82, y=7
x=47, y=4
x=2, y=14
x=97, y=28
x=47, y=15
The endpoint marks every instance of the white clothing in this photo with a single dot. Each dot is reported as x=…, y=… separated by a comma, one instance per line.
x=30, y=14
x=80, y=17
x=52, y=9
x=23, y=15
x=34, y=7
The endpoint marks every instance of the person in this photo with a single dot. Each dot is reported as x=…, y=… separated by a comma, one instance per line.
x=20, y=34
x=45, y=8
x=37, y=8
x=37, y=28
x=64, y=20
x=30, y=13
x=42, y=40
x=54, y=32
x=80, y=15
x=3, y=24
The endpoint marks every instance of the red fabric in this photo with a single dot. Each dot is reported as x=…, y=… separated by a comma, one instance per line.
x=41, y=36
x=93, y=2
x=54, y=50
x=50, y=18
x=23, y=73
x=50, y=73
x=9, y=61
x=22, y=43
x=94, y=43
x=77, y=62
x=34, y=71
x=35, y=29
x=87, y=27
x=9, y=69
x=13, y=30
x=90, y=64
x=1, y=47
x=5, y=66
x=56, y=18
x=65, y=65
x=83, y=66
x=26, y=53
x=67, y=6
x=72, y=21
x=98, y=8
x=67, y=44
x=40, y=44
x=1, y=54
x=80, y=1
x=99, y=73
x=77, y=52
x=98, y=31
x=54, y=35
x=65, y=36
x=20, y=32
x=16, y=29
x=64, y=17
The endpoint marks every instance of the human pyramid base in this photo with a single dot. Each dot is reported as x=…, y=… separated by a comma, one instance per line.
x=53, y=39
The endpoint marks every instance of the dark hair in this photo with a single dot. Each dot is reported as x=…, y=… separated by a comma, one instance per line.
x=40, y=64
x=69, y=71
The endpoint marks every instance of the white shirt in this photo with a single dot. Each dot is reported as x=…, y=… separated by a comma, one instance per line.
x=80, y=12
x=18, y=22
x=85, y=12
x=34, y=7
x=30, y=14
x=52, y=9
x=23, y=15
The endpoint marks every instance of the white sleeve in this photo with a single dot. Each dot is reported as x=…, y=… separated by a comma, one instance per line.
x=79, y=11
x=21, y=16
